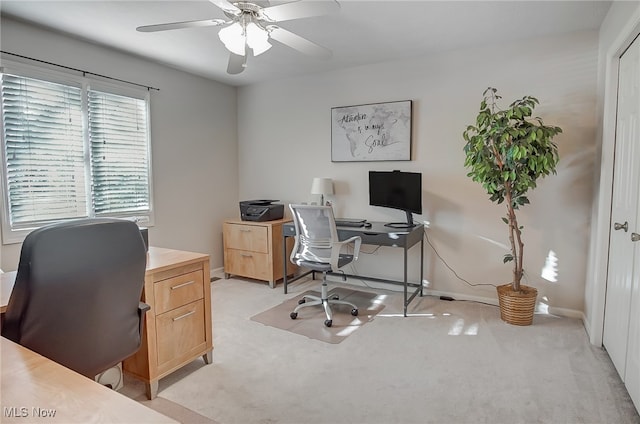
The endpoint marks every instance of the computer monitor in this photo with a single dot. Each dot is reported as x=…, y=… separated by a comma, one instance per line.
x=397, y=190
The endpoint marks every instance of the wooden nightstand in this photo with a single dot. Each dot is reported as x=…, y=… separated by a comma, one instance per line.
x=254, y=249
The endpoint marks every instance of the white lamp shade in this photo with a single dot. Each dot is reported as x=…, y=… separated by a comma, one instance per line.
x=233, y=38
x=322, y=186
x=257, y=39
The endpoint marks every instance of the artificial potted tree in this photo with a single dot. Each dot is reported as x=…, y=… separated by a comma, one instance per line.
x=507, y=151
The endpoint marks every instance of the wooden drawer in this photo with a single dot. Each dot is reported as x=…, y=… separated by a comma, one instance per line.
x=248, y=264
x=177, y=291
x=180, y=330
x=178, y=326
x=246, y=237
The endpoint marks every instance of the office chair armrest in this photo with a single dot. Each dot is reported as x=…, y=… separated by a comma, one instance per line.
x=337, y=246
x=142, y=310
x=356, y=247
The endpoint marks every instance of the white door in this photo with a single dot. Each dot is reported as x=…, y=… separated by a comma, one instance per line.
x=632, y=372
x=621, y=335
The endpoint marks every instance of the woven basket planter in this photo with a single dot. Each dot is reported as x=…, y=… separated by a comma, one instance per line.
x=517, y=307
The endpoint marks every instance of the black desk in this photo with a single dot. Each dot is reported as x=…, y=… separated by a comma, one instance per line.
x=378, y=235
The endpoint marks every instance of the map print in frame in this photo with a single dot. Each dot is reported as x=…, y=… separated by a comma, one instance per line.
x=373, y=132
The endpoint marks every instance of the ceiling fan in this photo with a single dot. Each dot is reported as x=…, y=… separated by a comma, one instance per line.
x=251, y=24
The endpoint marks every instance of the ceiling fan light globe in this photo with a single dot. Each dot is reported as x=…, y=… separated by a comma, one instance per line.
x=256, y=33
x=233, y=38
x=260, y=48
x=236, y=48
x=257, y=39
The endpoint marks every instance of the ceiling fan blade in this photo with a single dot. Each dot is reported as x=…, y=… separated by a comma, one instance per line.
x=179, y=25
x=226, y=6
x=296, y=42
x=300, y=9
x=237, y=63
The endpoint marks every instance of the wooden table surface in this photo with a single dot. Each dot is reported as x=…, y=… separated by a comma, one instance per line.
x=36, y=389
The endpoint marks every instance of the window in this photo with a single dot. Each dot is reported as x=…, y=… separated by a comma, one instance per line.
x=119, y=154
x=72, y=149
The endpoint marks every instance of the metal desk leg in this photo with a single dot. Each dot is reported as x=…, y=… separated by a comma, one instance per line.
x=405, y=281
x=421, y=266
x=284, y=263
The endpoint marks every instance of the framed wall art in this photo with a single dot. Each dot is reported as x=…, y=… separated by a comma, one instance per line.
x=372, y=132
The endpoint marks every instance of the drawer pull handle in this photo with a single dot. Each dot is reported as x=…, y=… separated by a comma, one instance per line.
x=246, y=255
x=182, y=285
x=245, y=230
x=184, y=316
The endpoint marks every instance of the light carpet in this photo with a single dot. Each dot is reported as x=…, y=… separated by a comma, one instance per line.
x=310, y=321
x=448, y=362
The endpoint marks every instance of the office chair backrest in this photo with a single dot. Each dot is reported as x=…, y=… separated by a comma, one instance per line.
x=77, y=293
x=315, y=233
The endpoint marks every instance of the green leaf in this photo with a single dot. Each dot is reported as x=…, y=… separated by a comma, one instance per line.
x=507, y=149
x=507, y=258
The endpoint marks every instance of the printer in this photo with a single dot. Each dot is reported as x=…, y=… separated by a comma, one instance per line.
x=261, y=210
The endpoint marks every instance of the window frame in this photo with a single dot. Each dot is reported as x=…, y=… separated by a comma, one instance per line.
x=12, y=235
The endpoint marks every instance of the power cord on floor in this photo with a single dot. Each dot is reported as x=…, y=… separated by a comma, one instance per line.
x=426, y=236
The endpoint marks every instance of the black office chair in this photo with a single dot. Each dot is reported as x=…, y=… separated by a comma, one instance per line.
x=318, y=248
x=76, y=298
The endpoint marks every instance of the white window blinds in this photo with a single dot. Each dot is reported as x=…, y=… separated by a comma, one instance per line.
x=71, y=151
x=119, y=159
x=44, y=150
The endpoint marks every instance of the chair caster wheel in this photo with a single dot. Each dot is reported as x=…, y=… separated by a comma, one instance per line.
x=354, y=312
x=328, y=322
x=293, y=315
x=301, y=301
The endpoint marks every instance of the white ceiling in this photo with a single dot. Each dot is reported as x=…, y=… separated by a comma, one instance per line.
x=362, y=32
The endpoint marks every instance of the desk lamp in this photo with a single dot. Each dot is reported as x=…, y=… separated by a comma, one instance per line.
x=322, y=186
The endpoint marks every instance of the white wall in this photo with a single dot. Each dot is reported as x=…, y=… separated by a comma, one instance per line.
x=284, y=141
x=193, y=137
x=619, y=28
x=283, y=133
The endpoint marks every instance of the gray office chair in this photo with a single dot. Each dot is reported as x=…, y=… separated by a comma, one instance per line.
x=76, y=298
x=317, y=248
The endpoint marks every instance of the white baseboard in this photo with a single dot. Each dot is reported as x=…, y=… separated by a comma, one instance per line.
x=217, y=272
x=541, y=308
x=461, y=296
x=565, y=312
